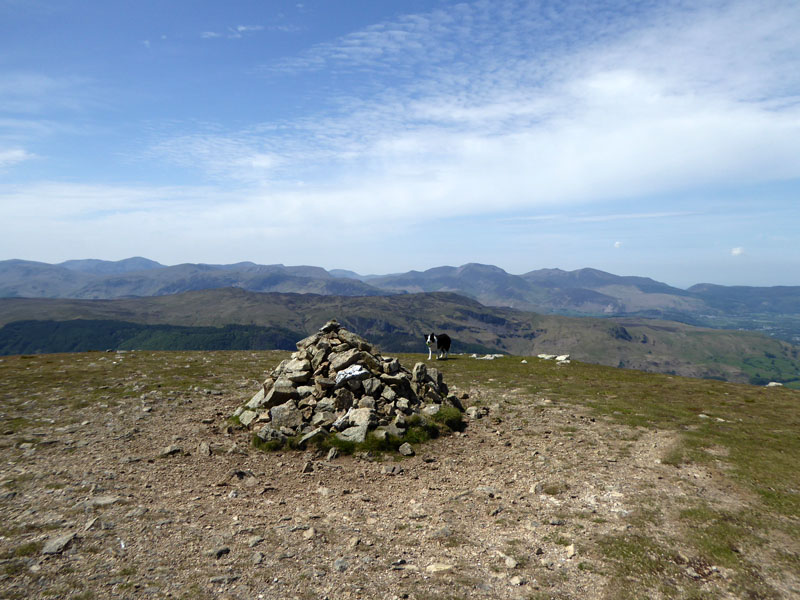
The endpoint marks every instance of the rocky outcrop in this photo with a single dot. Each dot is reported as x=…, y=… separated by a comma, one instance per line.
x=337, y=383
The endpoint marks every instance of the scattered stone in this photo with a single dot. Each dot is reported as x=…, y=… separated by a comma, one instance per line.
x=218, y=552
x=571, y=551
x=439, y=568
x=406, y=450
x=517, y=580
x=58, y=544
x=224, y=579
x=341, y=565
x=308, y=467
x=557, y=522
x=170, y=451
x=102, y=501
x=391, y=470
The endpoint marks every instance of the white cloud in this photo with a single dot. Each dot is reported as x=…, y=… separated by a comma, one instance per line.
x=738, y=251
x=13, y=156
x=617, y=244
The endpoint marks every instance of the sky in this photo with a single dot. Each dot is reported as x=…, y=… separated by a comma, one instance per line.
x=652, y=138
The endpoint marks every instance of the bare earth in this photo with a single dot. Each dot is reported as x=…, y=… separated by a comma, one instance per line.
x=162, y=498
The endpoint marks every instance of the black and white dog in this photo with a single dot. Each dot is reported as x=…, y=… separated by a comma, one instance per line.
x=442, y=343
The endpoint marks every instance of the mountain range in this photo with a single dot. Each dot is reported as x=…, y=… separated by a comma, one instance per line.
x=582, y=292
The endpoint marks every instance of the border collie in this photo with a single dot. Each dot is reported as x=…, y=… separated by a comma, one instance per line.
x=442, y=343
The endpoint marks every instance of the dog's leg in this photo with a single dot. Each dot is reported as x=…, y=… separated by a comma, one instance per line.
x=430, y=352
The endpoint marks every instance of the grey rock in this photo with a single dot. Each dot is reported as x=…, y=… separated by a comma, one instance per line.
x=58, y=544
x=391, y=366
x=268, y=433
x=355, y=434
x=309, y=341
x=286, y=415
x=341, y=361
x=170, y=451
x=406, y=450
x=323, y=419
x=430, y=410
x=330, y=326
x=298, y=364
x=326, y=404
x=247, y=417
x=344, y=399
x=282, y=390
x=372, y=387
x=366, y=402
x=341, y=565
x=224, y=579
x=362, y=417
x=419, y=373
x=218, y=552
x=310, y=436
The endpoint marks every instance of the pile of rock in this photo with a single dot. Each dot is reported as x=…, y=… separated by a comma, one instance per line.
x=338, y=383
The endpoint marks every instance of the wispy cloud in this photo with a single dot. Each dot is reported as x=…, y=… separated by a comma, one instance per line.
x=496, y=100
x=233, y=33
x=13, y=156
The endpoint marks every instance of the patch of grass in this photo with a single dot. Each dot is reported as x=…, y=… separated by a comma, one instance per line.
x=28, y=549
x=449, y=417
x=720, y=536
x=639, y=564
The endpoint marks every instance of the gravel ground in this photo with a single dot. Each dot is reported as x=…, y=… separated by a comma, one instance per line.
x=161, y=497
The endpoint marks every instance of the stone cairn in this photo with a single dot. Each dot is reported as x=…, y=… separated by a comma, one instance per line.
x=337, y=383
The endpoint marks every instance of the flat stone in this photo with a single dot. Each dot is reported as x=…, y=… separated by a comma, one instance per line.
x=439, y=568
x=354, y=434
x=57, y=545
x=286, y=415
x=406, y=449
x=247, y=417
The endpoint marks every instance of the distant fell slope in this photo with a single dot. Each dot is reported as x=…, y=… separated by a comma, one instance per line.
x=398, y=323
x=744, y=300
x=488, y=284
x=93, y=279
x=109, y=267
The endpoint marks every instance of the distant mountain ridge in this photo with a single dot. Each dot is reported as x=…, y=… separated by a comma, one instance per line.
x=583, y=292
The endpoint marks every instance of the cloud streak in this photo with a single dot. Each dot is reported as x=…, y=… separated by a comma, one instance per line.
x=642, y=108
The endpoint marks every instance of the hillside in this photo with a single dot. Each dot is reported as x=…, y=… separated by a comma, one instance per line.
x=583, y=292
x=122, y=475
x=397, y=324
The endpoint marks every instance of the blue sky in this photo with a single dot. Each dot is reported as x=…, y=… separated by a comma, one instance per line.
x=659, y=139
